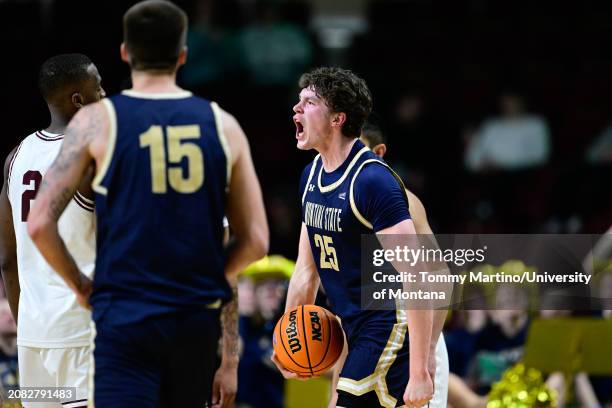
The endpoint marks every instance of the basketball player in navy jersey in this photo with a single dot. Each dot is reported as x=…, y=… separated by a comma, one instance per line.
x=362, y=194
x=169, y=166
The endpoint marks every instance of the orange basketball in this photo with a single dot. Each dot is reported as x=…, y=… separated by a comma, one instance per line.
x=308, y=340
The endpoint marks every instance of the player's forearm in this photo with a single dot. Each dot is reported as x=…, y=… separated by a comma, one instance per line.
x=303, y=288
x=229, y=329
x=10, y=277
x=420, y=325
x=46, y=237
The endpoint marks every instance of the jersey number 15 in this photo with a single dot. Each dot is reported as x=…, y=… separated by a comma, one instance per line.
x=162, y=173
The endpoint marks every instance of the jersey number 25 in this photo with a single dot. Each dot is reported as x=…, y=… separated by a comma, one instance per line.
x=329, y=260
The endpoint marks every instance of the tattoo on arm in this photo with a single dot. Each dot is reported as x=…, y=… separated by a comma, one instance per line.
x=86, y=124
x=229, y=325
x=59, y=203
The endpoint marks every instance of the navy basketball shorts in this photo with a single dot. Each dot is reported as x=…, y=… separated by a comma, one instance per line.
x=165, y=361
x=376, y=370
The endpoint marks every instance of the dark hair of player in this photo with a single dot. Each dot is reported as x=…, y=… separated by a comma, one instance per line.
x=154, y=32
x=372, y=130
x=62, y=71
x=342, y=91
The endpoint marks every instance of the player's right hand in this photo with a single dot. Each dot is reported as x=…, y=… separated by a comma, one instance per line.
x=418, y=391
x=83, y=291
x=289, y=375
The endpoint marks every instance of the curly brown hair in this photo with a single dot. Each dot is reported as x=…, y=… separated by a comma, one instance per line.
x=342, y=91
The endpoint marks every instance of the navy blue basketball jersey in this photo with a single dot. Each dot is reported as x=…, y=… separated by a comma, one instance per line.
x=336, y=215
x=160, y=198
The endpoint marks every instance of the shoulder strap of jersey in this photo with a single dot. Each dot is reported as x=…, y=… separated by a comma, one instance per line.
x=354, y=208
x=96, y=184
x=223, y=141
x=312, y=171
x=10, y=169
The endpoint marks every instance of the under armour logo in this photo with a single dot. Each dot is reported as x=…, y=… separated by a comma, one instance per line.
x=342, y=196
x=311, y=187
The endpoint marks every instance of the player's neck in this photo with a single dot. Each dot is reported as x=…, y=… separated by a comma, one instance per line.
x=58, y=122
x=152, y=82
x=336, y=152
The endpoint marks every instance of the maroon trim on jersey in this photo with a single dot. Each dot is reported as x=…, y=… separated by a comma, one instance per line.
x=84, y=200
x=8, y=178
x=46, y=138
x=84, y=205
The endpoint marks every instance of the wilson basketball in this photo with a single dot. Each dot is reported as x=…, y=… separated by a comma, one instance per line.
x=308, y=340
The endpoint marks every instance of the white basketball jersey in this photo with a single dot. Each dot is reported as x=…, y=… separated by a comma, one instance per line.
x=49, y=315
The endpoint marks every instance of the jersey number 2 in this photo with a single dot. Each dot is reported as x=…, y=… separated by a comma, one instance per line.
x=161, y=175
x=28, y=195
x=329, y=260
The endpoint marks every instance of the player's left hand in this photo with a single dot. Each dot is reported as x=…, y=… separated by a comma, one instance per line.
x=225, y=386
x=418, y=391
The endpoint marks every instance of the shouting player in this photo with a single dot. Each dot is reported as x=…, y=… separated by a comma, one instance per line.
x=365, y=197
x=169, y=165
x=53, y=331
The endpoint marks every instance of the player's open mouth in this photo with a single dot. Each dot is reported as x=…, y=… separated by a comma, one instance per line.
x=299, y=129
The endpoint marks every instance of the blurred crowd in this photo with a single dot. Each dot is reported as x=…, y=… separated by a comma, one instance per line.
x=492, y=141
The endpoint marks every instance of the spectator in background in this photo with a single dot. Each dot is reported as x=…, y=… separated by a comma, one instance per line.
x=274, y=52
x=262, y=288
x=466, y=325
x=600, y=150
x=515, y=140
x=420, y=139
x=212, y=44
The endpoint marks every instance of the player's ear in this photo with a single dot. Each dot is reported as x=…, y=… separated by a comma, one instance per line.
x=125, y=57
x=182, y=59
x=380, y=150
x=338, y=119
x=77, y=100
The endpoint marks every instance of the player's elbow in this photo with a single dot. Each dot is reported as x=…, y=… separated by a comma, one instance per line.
x=259, y=242
x=38, y=225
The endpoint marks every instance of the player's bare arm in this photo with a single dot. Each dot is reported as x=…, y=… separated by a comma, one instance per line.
x=420, y=324
x=247, y=218
x=84, y=142
x=303, y=287
x=8, y=247
x=421, y=225
x=245, y=208
x=304, y=282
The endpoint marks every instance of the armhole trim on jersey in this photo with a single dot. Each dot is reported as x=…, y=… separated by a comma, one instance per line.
x=354, y=208
x=223, y=140
x=402, y=186
x=84, y=202
x=10, y=169
x=312, y=170
x=326, y=189
x=110, y=148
